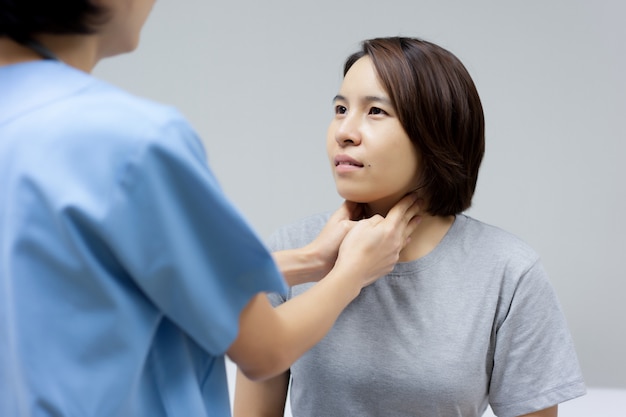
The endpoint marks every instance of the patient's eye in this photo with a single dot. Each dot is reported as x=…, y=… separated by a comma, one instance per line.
x=339, y=109
x=377, y=111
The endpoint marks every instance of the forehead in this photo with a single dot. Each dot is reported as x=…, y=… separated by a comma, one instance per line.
x=362, y=79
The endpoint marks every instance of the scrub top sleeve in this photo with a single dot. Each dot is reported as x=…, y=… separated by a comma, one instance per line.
x=184, y=244
x=535, y=364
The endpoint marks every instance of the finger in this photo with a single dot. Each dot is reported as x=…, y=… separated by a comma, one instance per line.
x=374, y=220
x=344, y=212
x=404, y=209
x=410, y=228
x=354, y=210
x=415, y=210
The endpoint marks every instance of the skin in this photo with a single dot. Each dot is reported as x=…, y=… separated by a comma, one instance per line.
x=346, y=256
x=122, y=32
x=366, y=130
x=270, y=340
x=375, y=164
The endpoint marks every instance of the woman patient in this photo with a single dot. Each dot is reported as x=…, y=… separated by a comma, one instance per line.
x=468, y=317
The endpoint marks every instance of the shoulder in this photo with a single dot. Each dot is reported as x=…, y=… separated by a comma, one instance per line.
x=91, y=134
x=85, y=108
x=115, y=109
x=495, y=240
x=493, y=248
x=135, y=128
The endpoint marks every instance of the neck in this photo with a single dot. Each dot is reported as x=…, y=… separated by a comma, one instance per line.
x=78, y=51
x=426, y=236
x=381, y=207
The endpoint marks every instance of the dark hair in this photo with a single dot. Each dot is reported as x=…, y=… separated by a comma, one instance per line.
x=21, y=19
x=439, y=108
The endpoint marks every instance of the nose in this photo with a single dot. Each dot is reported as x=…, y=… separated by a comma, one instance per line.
x=348, y=131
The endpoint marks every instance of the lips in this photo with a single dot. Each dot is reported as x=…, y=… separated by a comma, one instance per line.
x=345, y=160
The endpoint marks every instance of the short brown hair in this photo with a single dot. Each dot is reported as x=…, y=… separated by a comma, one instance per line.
x=439, y=108
x=22, y=19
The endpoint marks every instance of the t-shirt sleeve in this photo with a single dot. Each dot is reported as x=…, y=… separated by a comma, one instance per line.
x=182, y=241
x=535, y=364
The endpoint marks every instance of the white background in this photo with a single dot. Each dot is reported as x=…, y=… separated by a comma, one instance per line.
x=256, y=79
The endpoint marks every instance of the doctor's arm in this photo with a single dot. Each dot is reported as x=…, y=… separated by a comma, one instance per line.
x=262, y=398
x=271, y=339
x=315, y=260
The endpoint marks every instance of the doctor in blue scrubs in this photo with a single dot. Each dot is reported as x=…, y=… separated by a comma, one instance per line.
x=126, y=275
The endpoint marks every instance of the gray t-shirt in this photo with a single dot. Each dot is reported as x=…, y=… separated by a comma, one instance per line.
x=476, y=321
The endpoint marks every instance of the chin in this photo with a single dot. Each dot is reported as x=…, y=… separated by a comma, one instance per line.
x=354, y=196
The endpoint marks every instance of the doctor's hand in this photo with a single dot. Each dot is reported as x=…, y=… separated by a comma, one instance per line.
x=313, y=261
x=271, y=339
x=325, y=247
x=372, y=247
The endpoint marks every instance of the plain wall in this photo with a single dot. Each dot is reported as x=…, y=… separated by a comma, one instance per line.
x=256, y=79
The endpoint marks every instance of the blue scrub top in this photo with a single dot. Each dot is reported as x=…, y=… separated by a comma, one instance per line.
x=123, y=267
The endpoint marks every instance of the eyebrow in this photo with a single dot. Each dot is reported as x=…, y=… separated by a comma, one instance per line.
x=366, y=99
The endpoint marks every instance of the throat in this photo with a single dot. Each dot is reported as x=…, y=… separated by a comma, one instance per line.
x=426, y=237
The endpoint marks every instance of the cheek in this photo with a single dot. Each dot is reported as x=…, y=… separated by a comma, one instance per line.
x=399, y=163
x=331, y=143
